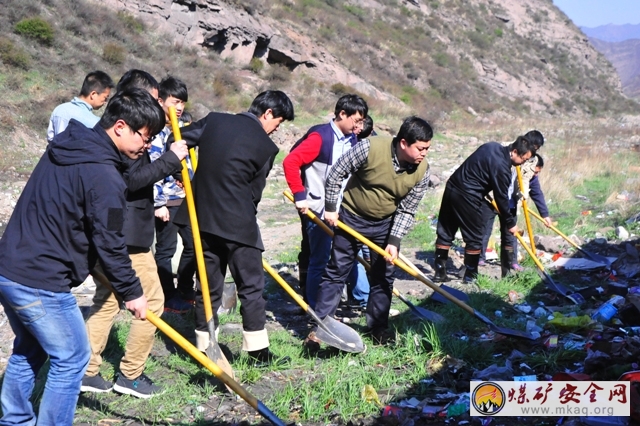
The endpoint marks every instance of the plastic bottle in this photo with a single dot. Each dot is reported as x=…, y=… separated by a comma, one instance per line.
x=608, y=309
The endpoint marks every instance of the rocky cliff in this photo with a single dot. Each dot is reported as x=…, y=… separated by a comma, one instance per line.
x=435, y=55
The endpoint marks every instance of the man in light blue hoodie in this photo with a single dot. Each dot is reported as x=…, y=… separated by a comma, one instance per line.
x=95, y=92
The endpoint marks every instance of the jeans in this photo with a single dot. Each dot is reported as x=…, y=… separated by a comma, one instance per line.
x=46, y=325
x=166, y=244
x=319, y=253
x=358, y=282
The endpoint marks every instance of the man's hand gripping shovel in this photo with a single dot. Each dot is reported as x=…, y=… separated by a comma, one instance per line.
x=198, y=356
x=212, y=351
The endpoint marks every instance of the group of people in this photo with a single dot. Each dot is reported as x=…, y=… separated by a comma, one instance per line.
x=107, y=185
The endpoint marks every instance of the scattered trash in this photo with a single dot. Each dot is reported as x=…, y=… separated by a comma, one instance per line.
x=409, y=403
x=604, y=421
x=570, y=322
x=540, y=312
x=596, y=361
x=493, y=372
x=390, y=410
x=498, y=314
x=459, y=406
x=551, y=341
x=525, y=309
x=529, y=378
x=369, y=394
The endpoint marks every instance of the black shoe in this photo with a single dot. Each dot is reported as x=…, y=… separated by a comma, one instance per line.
x=265, y=358
x=381, y=336
x=95, y=384
x=440, y=266
x=141, y=387
x=470, y=268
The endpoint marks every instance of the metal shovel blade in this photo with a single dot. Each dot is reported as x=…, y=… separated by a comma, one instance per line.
x=338, y=335
x=418, y=311
x=460, y=295
x=503, y=330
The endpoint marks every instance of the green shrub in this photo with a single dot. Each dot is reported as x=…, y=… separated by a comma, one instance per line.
x=498, y=32
x=130, y=21
x=37, y=29
x=256, y=65
x=12, y=55
x=114, y=53
x=278, y=73
x=441, y=59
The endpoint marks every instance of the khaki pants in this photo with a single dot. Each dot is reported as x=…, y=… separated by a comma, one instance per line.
x=141, y=335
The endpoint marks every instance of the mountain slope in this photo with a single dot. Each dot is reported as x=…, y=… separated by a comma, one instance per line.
x=625, y=57
x=433, y=56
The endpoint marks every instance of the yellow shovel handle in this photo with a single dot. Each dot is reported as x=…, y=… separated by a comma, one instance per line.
x=554, y=229
x=525, y=209
x=197, y=242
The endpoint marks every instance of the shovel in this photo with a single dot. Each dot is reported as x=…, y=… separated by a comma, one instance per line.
x=526, y=210
x=330, y=331
x=213, y=351
x=595, y=257
x=436, y=296
x=416, y=310
x=500, y=330
x=558, y=288
x=198, y=356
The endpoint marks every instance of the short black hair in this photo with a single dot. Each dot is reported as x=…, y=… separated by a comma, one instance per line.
x=137, y=108
x=536, y=138
x=137, y=78
x=367, y=128
x=351, y=104
x=414, y=129
x=97, y=81
x=186, y=117
x=275, y=100
x=540, y=162
x=522, y=145
x=171, y=86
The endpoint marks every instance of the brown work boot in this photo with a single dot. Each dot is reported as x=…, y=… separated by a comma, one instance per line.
x=311, y=344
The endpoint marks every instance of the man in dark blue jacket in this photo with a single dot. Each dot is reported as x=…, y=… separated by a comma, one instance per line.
x=487, y=169
x=70, y=214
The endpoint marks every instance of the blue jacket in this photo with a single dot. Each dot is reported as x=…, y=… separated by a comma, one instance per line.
x=71, y=213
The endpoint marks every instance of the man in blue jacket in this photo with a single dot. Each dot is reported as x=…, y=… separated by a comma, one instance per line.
x=70, y=214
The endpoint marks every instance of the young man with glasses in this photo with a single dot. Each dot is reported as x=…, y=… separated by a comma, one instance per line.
x=306, y=169
x=70, y=214
x=138, y=230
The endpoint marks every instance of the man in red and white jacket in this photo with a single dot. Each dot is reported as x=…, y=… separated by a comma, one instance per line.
x=306, y=169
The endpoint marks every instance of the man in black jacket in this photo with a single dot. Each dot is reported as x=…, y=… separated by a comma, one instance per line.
x=235, y=156
x=140, y=175
x=487, y=169
x=70, y=213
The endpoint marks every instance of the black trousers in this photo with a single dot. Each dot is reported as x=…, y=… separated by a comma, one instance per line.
x=344, y=254
x=245, y=263
x=507, y=239
x=459, y=211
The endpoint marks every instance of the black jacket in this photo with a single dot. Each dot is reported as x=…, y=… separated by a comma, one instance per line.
x=487, y=169
x=71, y=210
x=235, y=156
x=141, y=174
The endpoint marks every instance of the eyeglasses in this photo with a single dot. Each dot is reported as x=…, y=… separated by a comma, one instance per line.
x=146, y=141
x=358, y=122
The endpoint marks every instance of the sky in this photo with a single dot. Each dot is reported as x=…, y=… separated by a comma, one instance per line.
x=593, y=13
